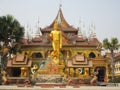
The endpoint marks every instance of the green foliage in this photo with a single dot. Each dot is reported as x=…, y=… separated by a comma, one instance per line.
x=111, y=45
x=10, y=29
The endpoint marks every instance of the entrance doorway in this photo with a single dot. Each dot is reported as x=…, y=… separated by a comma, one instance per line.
x=101, y=70
x=16, y=71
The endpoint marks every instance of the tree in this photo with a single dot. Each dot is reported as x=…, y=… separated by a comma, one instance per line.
x=111, y=46
x=11, y=33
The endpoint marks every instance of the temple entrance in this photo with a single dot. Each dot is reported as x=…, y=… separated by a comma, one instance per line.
x=101, y=73
x=16, y=71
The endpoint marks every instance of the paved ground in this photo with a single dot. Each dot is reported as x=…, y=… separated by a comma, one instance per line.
x=60, y=88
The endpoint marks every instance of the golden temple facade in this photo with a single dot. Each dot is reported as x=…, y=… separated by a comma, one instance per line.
x=79, y=56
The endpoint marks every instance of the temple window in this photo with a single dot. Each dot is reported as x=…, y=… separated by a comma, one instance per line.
x=92, y=55
x=37, y=55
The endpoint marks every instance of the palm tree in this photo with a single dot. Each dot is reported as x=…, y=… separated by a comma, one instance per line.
x=11, y=33
x=111, y=46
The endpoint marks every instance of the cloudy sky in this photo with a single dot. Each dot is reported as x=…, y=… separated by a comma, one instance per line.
x=105, y=14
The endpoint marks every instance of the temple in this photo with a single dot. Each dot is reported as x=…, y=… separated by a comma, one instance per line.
x=80, y=56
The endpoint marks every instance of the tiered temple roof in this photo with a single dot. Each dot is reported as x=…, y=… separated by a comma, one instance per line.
x=20, y=60
x=69, y=33
x=79, y=61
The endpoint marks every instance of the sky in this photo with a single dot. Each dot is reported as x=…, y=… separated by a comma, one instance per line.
x=104, y=14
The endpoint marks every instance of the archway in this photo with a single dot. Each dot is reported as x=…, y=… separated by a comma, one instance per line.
x=37, y=55
x=101, y=70
x=92, y=55
x=16, y=71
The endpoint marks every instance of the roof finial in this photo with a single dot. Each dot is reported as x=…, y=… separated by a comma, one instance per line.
x=92, y=33
x=80, y=28
x=60, y=4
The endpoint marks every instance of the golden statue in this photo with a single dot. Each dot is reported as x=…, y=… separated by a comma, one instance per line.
x=56, y=37
x=24, y=72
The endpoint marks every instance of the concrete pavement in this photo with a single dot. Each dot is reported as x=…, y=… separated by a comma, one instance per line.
x=6, y=87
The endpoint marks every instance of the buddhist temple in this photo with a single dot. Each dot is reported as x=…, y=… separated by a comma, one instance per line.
x=79, y=56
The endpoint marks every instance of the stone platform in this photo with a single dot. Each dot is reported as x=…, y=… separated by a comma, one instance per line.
x=49, y=80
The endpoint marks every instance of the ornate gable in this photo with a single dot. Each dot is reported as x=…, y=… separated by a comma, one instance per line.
x=62, y=22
